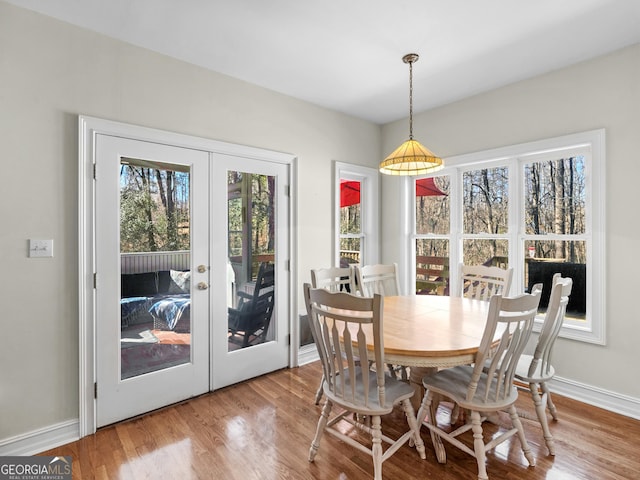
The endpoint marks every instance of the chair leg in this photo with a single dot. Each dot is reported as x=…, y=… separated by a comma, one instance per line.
x=415, y=427
x=376, y=448
x=319, y=392
x=478, y=445
x=540, y=404
x=322, y=423
x=513, y=413
x=550, y=405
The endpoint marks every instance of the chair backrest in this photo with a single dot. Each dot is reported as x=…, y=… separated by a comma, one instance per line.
x=334, y=279
x=380, y=279
x=254, y=310
x=265, y=285
x=340, y=324
x=499, y=360
x=558, y=300
x=481, y=282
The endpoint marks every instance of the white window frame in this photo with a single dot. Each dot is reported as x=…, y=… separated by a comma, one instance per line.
x=369, y=179
x=590, y=143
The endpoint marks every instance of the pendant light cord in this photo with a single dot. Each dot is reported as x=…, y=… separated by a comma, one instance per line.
x=410, y=100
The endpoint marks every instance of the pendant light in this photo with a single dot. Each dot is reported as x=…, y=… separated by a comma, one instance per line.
x=411, y=158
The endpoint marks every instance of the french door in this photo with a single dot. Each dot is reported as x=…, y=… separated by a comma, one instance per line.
x=180, y=233
x=152, y=320
x=250, y=229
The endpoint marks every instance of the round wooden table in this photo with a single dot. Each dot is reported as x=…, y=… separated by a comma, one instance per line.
x=432, y=331
x=427, y=332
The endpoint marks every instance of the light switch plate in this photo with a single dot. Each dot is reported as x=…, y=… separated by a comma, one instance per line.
x=40, y=248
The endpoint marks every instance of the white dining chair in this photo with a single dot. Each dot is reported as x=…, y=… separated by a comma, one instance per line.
x=338, y=324
x=481, y=282
x=536, y=370
x=381, y=279
x=333, y=279
x=486, y=387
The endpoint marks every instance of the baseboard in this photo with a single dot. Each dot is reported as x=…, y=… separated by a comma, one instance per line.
x=307, y=354
x=41, y=440
x=598, y=397
x=38, y=441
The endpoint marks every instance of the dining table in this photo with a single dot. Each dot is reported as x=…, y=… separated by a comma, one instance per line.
x=430, y=332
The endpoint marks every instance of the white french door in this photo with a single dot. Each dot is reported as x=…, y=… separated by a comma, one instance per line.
x=145, y=361
x=250, y=226
x=232, y=215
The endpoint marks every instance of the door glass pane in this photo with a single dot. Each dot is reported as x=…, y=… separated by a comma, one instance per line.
x=252, y=237
x=155, y=280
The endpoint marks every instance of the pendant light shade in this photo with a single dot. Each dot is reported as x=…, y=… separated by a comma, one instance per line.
x=411, y=158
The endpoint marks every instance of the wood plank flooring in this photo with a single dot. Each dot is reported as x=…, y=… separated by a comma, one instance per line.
x=262, y=430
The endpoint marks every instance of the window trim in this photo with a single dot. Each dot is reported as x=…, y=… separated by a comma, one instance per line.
x=593, y=140
x=369, y=179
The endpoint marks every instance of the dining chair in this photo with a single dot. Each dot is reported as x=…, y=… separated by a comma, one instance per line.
x=536, y=370
x=340, y=325
x=381, y=279
x=480, y=282
x=333, y=279
x=486, y=387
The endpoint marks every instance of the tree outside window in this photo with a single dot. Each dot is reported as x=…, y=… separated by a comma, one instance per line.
x=530, y=207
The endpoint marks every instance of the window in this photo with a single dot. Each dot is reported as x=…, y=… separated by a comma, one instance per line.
x=356, y=214
x=535, y=207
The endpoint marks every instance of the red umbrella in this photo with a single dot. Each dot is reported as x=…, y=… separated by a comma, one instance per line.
x=426, y=187
x=350, y=191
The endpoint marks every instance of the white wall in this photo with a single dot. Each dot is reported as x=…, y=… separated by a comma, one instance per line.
x=50, y=72
x=602, y=93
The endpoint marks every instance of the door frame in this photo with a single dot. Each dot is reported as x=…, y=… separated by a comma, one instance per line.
x=88, y=128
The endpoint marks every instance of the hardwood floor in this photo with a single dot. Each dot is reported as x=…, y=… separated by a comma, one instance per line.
x=262, y=429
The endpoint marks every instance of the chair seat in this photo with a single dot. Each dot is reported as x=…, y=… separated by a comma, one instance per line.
x=537, y=376
x=454, y=383
x=395, y=392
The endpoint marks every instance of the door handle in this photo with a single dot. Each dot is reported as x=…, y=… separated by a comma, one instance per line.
x=203, y=286
x=202, y=268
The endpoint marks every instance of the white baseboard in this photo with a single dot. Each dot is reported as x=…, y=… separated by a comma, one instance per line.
x=308, y=354
x=598, y=397
x=37, y=441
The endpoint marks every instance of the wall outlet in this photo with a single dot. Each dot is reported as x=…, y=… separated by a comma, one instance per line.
x=40, y=248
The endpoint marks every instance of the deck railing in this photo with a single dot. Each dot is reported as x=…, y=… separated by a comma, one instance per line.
x=142, y=262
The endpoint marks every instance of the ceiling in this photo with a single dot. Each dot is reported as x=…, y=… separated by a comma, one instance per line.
x=346, y=55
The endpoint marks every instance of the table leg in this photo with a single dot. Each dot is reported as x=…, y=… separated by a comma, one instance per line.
x=415, y=380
